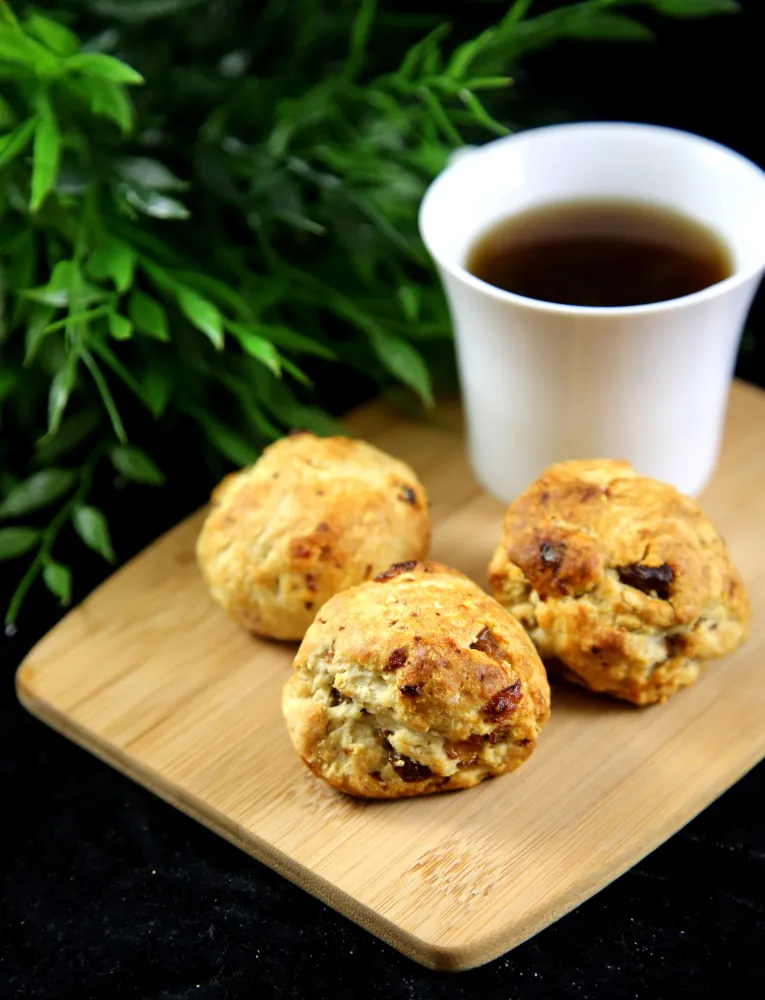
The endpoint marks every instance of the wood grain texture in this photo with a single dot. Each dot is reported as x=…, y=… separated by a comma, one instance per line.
x=149, y=675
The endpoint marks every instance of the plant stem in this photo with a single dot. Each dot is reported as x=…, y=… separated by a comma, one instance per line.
x=48, y=539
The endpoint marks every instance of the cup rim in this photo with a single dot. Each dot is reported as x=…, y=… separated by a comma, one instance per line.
x=735, y=280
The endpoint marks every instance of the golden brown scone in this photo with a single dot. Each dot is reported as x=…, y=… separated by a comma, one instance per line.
x=311, y=517
x=620, y=578
x=415, y=682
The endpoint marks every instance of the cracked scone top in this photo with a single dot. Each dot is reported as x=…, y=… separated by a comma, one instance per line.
x=311, y=517
x=415, y=682
x=621, y=579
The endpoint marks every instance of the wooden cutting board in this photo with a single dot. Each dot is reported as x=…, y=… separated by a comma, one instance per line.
x=150, y=676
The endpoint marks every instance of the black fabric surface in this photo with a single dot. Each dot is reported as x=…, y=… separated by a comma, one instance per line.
x=106, y=892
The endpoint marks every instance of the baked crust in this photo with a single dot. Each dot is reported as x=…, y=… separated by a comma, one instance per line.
x=413, y=683
x=311, y=517
x=620, y=579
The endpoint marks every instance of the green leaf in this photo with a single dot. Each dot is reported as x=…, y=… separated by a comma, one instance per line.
x=147, y=173
x=516, y=13
x=104, y=351
x=73, y=319
x=120, y=327
x=262, y=350
x=413, y=59
x=203, y=315
x=409, y=298
x=264, y=290
x=489, y=82
x=17, y=47
x=312, y=419
x=60, y=390
x=480, y=114
x=606, y=25
x=48, y=295
x=403, y=361
x=161, y=277
x=36, y=331
x=66, y=276
x=264, y=426
x=440, y=116
x=360, y=32
x=157, y=387
x=283, y=336
x=106, y=396
x=47, y=155
x=278, y=398
x=8, y=118
x=297, y=373
x=14, y=142
x=246, y=392
x=695, y=8
x=463, y=55
x=16, y=541
x=21, y=591
x=39, y=490
x=148, y=316
x=104, y=67
x=158, y=206
x=256, y=346
x=136, y=465
x=64, y=286
x=231, y=445
x=6, y=14
x=115, y=260
x=58, y=580
x=72, y=432
x=109, y=100
x=52, y=34
x=213, y=288
x=7, y=382
x=92, y=527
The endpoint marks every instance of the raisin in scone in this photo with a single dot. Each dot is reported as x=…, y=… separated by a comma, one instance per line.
x=621, y=579
x=415, y=682
x=310, y=518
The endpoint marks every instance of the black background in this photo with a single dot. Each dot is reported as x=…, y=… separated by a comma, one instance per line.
x=107, y=892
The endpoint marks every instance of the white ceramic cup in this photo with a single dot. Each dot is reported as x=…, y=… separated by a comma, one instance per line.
x=543, y=382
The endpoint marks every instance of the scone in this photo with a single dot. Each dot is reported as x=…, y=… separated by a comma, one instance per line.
x=621, y=579
x=311, y=517
x=415, y=682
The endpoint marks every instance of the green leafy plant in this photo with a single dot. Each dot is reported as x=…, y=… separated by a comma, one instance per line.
x=200, y=216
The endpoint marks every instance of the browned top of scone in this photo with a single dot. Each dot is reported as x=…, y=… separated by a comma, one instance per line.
x=449, y=658
x=311, y=516
x=305, y=458
x=582, y=520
